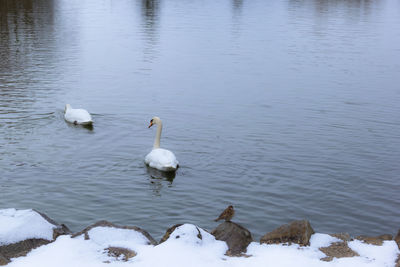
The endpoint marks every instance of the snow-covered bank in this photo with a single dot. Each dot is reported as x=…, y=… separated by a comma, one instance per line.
x=187, y=245
x=19, y=225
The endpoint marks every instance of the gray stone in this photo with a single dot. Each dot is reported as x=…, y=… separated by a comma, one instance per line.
x=151, y=240
x=298, y=232
x=236, y=237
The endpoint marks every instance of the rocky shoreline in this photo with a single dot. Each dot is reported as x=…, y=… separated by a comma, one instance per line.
x=236, y=237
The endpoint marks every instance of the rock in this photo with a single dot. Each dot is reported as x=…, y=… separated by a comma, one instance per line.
x=296, y=232
x=23, y=247
x=342, y=236
x=374, y=240
x=61, y=229
x=236, y=236
x=397, y=239
x=3, y=260
x=151, y=240
x=117, y=252
x=397, y=262
x=172, y=229
x=169, y=232
x=337, y=250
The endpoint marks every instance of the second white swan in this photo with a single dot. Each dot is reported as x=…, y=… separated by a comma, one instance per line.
x=159, y=158
x=77, y=116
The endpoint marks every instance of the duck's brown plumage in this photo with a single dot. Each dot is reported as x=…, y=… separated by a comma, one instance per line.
x=227, y=214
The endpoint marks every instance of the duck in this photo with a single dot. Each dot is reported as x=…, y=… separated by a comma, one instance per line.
x=227, y=214
x=159, y=158
x=77, y=116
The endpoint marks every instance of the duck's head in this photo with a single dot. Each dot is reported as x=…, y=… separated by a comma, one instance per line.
x=67, y=106
x=155, y=120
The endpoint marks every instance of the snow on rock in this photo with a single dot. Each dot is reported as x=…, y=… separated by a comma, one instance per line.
x=322, y=240
x=115, y=237
x=191, y=235
x=19, y=225
x=105, y=226
x=385, y=254
x=189, y=245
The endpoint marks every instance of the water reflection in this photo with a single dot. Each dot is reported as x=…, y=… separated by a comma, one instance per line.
x=354, y=8
x=23, y=32
x=88, y=127
x=156, y=174
x=159, y=179
x=27, y=29
x=150, y=14
x=237, y=5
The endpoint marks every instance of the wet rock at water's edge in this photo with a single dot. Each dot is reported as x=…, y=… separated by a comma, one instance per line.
x=236, y=237
x=298, y=232
x=397, y=239
x=342, y=236
x=150, y=239
x=23, y=247
x=374, y=240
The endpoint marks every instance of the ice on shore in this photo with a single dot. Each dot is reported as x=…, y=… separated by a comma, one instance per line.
x=187, y=246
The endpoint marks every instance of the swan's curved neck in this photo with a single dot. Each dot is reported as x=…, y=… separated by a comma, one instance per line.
x=158, y=135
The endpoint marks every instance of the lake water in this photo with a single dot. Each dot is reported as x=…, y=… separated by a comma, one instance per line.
x=286, y=109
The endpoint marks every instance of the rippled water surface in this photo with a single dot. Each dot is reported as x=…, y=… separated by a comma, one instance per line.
x=286, y=109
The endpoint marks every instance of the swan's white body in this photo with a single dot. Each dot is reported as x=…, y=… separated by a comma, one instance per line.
x=159, y=158
x=77, y=116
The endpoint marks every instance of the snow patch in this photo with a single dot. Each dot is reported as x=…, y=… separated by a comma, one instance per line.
x=19, y=225
x=116, y=237
x=183, y=248
x=322, y=240
x=384, y=255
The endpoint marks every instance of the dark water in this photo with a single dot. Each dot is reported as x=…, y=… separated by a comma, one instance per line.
x=286, y=109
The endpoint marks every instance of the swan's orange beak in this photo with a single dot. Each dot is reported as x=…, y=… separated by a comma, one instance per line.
x=151, y=124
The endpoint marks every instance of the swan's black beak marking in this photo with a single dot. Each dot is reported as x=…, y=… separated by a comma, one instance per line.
x=151, y=123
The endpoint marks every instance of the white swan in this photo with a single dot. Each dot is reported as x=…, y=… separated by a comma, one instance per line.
x=159, y=158
x=77, y=116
